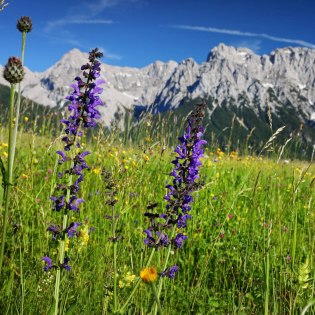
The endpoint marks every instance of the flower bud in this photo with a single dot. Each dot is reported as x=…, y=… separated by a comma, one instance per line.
x=13, y=71
x=24, y=24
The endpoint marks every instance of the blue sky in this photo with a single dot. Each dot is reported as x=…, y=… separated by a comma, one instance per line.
x=137, y=32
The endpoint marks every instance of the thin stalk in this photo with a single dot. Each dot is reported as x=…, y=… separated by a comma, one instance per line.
x=160, y=286
x=114, y=258
x=267, y=285
x=121, y=311
x=294, y=241
x=267, y=270
x=9, y=177
x=157, y=299
x=18, y=102
x=22, y=282
x=62, y=246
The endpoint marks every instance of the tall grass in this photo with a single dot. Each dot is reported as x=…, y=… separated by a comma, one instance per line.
x=251, y=233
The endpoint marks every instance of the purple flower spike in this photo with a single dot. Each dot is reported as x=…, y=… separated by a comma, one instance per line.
x=74, y=203
x=55, y=230
x=179, y=239
x=184, y=182
x=65, y=264
x=83, y=106
x=63, y=157
x=72, y=229
x=59, y=202
x=48, y=262
x=170, y=272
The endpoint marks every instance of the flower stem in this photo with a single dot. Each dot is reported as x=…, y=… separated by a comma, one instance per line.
x=165, y=266
x=61, y=257
x=114, y=258
x=18, y=102
x=121, y=311
x=157, y=299
x=62, y=241
x=9, y=177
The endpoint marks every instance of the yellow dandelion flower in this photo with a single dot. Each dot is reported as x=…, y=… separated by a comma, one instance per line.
x=26, y=119
x=5, y=154
x=5, y=145
x=145, y=157
x=149, y=275
x=97, y=170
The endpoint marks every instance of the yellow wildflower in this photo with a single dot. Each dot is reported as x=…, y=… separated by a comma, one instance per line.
x=67, y=245
x=84, y=235
x=145, y=157
x=149, y=275
x=126, y=280
x=26, y=119
x=24, y=176
x=303, y=276
x=5, y=154
x=97, y=170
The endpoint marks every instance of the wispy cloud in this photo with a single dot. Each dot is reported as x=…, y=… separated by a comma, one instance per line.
x=79, y=20
x=241, y=33
x=96, y=7
x=86, y=12
x=109, y=55
x=66, y=40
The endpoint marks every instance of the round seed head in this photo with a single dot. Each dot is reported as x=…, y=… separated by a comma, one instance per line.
x=24, y=24
x=13, y=71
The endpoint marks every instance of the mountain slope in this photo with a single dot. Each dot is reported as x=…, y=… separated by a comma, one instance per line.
x=256, y=91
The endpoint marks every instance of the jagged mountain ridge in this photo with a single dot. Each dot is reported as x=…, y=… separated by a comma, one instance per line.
x=237, y=75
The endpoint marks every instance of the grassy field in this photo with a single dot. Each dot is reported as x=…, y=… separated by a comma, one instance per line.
x=250, y=247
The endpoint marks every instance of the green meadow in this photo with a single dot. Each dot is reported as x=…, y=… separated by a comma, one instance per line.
x=250, y=246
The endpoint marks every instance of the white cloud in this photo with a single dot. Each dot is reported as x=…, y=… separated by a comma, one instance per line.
x=248, y=34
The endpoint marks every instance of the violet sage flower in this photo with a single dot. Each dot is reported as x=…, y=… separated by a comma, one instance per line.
x=179, y=196
x=48, y=262
x=83, y=103
x=170, y=272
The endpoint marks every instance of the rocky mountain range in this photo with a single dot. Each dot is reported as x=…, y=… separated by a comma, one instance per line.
x=235, y=80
